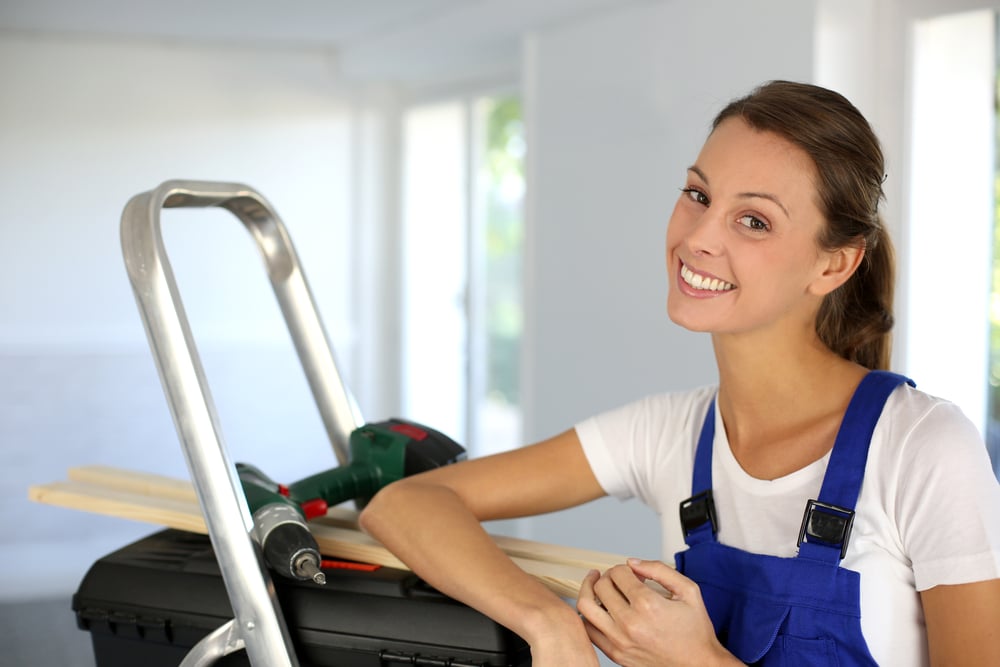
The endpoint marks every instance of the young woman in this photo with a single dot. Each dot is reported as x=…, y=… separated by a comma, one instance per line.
x=822, y=511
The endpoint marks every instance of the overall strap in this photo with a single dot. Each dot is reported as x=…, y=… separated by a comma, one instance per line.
x=702, y=477
x=827, y=521
x=698, y=519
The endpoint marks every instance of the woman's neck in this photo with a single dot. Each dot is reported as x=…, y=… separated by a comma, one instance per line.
x=781, y=401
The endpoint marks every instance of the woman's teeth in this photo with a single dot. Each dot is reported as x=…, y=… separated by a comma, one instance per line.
x=703, y=282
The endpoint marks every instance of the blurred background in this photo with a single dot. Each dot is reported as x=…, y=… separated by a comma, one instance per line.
x=478, y=193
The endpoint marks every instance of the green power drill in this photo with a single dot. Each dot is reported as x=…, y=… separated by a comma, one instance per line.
x=380, y=454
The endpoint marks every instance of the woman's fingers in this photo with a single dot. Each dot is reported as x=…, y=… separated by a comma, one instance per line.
x=645, y=613
x=587, y=601
x=620, y=586
x=668, y=581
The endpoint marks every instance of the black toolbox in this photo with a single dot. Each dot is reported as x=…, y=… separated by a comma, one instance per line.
x=148, y=603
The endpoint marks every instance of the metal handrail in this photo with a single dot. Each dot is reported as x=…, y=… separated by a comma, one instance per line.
x=258, y=621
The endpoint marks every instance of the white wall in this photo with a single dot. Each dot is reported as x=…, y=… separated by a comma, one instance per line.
x=618, y=107
x=84, y=125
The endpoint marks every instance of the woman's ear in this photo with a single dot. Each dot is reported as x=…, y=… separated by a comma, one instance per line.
x=840, y=266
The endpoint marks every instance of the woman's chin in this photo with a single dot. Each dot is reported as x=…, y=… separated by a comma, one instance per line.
x=687, y=321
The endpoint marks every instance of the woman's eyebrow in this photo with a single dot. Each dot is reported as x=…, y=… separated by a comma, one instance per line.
x=744, y=195
x=698, y=172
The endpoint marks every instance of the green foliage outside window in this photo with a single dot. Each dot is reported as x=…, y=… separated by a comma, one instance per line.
x=504, y=165
x=993, y=418
x=994, y=388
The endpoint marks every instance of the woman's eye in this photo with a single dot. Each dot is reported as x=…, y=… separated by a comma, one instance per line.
x=695, y=195
x=753, y=223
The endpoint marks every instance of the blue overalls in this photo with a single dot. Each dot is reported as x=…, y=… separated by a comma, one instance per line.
x=803, y=611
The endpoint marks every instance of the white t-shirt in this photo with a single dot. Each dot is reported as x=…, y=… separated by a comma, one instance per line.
x=928, y=512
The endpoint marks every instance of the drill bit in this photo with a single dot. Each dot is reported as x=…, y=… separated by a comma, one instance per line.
x=307, y=568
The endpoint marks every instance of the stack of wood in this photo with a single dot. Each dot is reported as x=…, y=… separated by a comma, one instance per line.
x=172, y=502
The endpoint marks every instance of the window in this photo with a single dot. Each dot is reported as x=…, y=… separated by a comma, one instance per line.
x=463, y=189
x=949, y=233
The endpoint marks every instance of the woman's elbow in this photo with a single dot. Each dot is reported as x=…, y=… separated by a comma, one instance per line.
x=379, y=506
x=390, y=506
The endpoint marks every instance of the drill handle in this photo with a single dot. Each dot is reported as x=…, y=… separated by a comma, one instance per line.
x=337, y=485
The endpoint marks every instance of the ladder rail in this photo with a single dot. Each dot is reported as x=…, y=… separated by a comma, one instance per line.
x=258, y=618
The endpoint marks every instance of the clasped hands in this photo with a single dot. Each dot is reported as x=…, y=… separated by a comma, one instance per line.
x=645, y=614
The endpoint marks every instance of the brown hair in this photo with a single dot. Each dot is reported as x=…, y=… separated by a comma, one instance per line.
x=855, y=320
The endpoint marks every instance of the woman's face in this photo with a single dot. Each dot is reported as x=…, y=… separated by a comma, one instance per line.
x=742, y=254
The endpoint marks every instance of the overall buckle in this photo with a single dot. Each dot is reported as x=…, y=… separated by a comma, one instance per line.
x=698, y=510
x=826, y=524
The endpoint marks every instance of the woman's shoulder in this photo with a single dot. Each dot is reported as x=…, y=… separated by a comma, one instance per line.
x=645, y=423
x=911, y=412
x=931, y=471
x=638, y=448
x=922, y=434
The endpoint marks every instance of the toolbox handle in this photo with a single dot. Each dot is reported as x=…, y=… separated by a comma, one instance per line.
x=258, y=618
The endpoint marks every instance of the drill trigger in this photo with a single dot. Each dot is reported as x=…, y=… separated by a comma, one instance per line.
x=314, y=507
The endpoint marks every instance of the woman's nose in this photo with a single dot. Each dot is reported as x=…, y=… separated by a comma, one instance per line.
x=706, y=234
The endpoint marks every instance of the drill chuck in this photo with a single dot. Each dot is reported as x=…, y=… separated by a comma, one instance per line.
x=287, y=544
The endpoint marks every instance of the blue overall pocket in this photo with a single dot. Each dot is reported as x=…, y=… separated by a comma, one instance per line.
x=784, y=630
x=747, y=627
x=761, y=632
x=799, y=652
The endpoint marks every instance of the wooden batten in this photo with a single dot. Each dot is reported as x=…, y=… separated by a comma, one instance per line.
x=170, y=502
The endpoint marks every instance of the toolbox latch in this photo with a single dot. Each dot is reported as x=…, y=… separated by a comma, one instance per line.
x=154, y=628
x=397, y=658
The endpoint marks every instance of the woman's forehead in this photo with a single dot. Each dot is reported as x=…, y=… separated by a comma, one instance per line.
x=747, y=158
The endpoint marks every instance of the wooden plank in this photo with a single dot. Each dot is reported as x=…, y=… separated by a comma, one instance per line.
x=342, y=516
x=184, y=514
x=515, y=547
x=355, y=545
x=170, y=512
x=145, y=483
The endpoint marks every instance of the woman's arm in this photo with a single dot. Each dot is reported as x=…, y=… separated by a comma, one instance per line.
x=432, y=523
x=963, y=623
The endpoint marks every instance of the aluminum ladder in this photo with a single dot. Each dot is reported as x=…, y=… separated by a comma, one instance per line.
x=258, y=624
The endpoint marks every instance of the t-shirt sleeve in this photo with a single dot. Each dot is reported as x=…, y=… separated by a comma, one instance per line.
x=633, y=449
x=602, y=462
x=948, y=506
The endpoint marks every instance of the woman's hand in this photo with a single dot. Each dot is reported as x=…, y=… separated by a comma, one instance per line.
x=557, y=636
x=637, y=625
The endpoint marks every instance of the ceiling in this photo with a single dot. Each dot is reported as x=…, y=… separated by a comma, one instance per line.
x=408, y=41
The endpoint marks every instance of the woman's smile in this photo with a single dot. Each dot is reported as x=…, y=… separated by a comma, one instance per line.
x=701, y=283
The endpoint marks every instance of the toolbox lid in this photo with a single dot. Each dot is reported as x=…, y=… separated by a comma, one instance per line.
x=168, y=587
